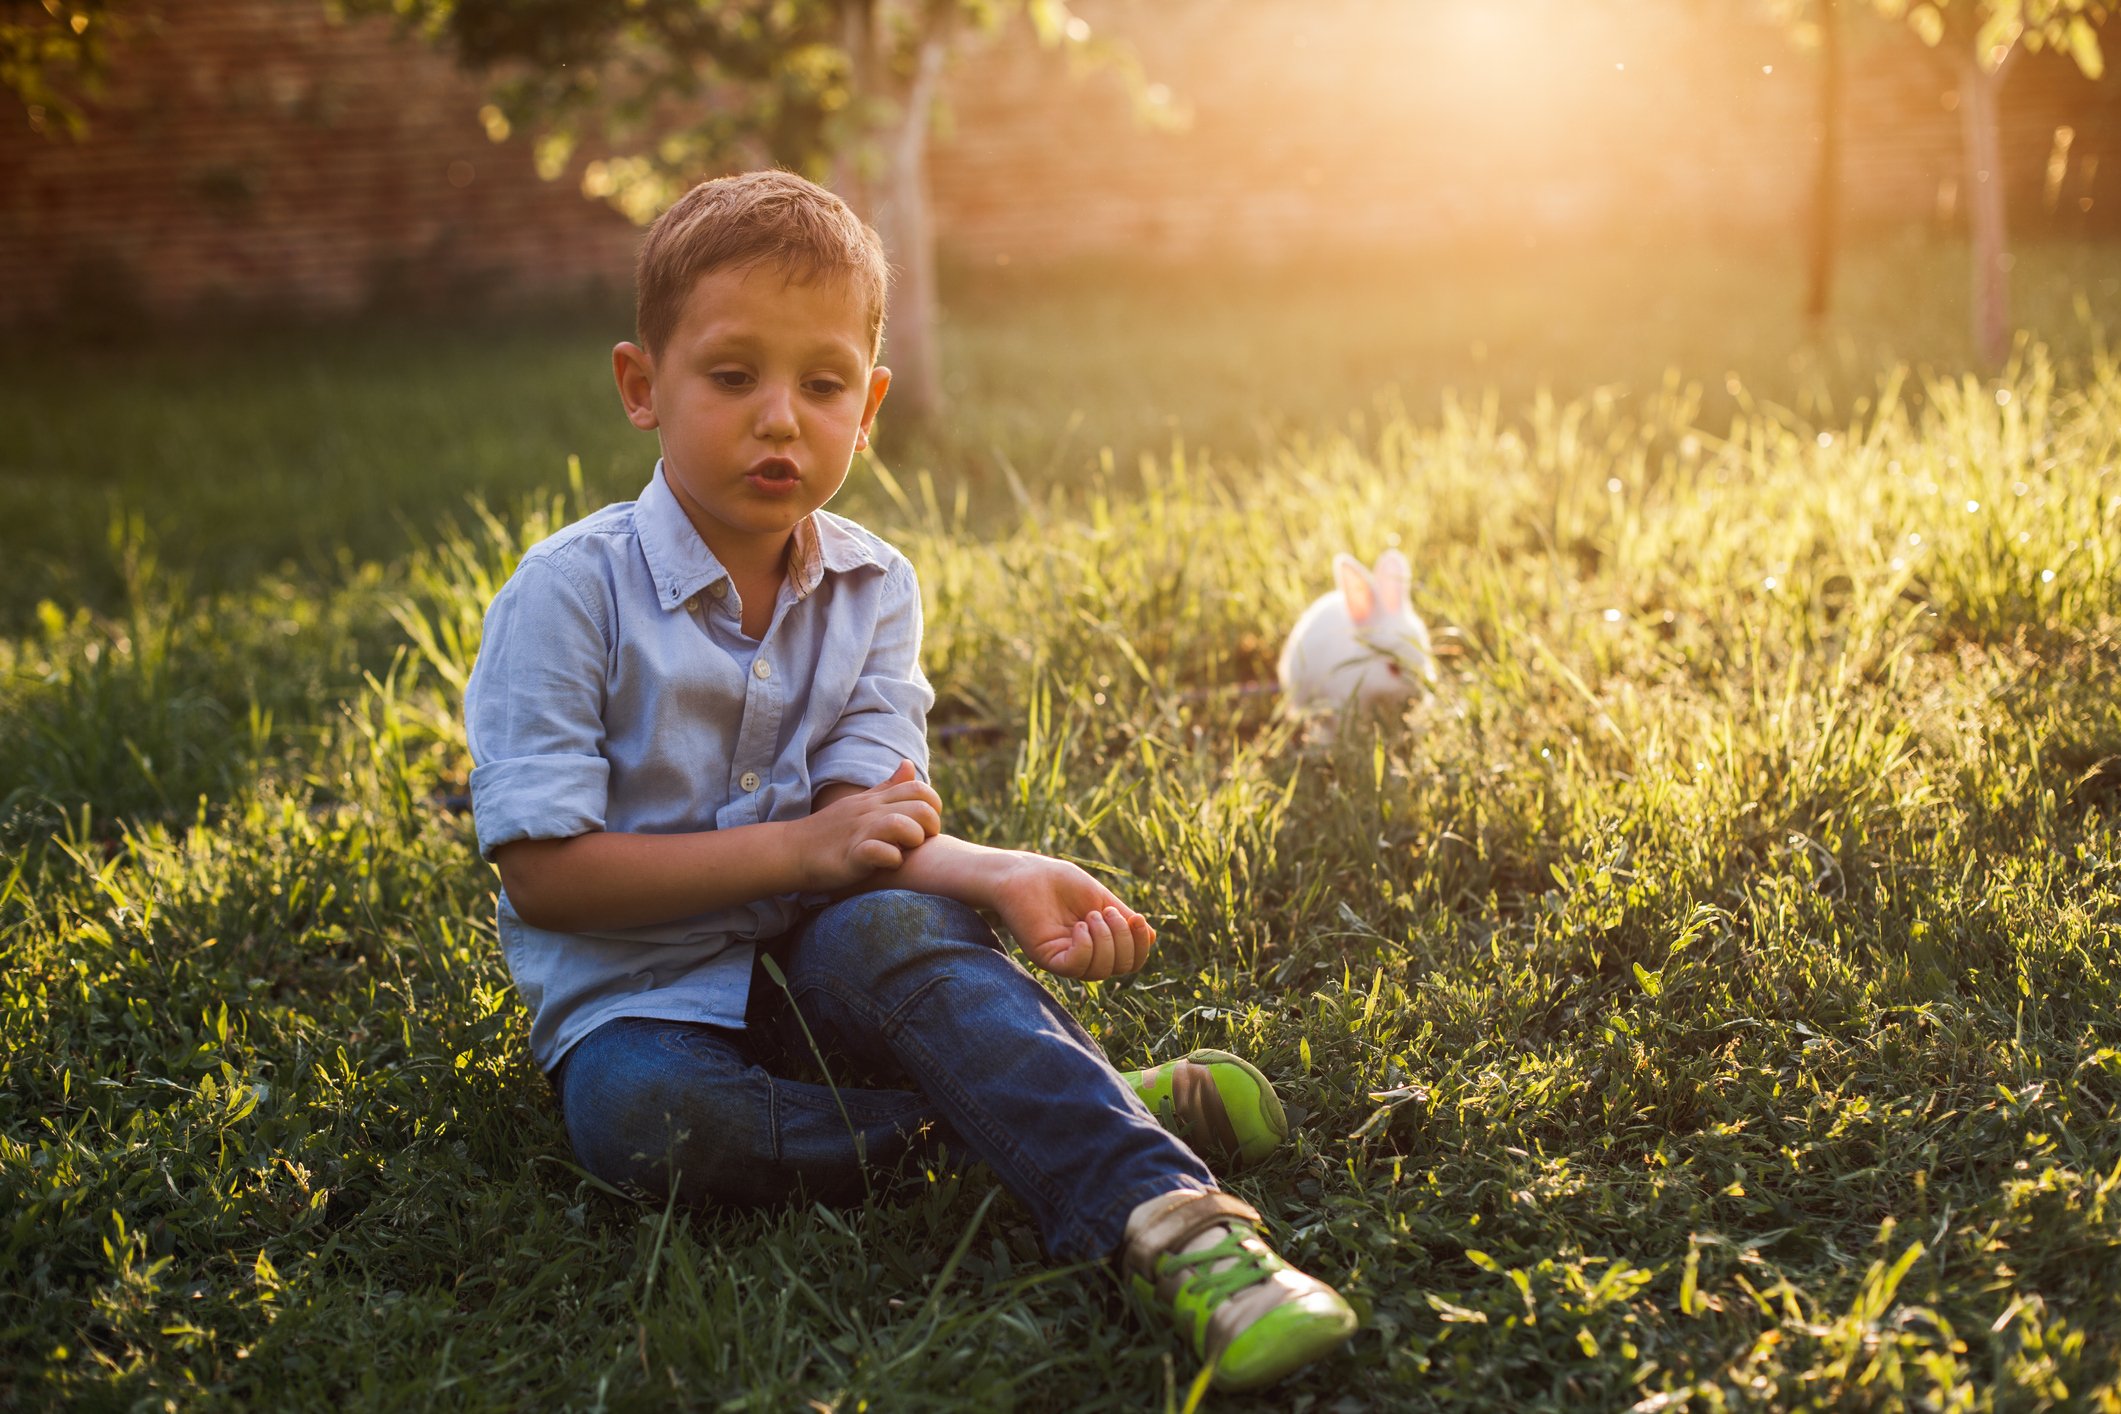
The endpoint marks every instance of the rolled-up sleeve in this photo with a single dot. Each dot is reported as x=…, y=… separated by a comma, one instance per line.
x=534, y=712
x=886, y=718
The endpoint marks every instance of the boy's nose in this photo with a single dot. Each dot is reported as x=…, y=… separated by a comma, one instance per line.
x=776, y=419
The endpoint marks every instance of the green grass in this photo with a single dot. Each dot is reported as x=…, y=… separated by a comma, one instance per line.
x=1713, y=1000
x=313, y=451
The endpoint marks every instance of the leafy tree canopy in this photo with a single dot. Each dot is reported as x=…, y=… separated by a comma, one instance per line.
x=676, y=87
x=1993, y=30
x=51, y=54
x=2001, y=26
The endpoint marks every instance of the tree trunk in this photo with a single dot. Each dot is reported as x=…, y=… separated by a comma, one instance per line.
x=909, y=238
x=1826, y=187
x=850, y=170
x=1978, y=92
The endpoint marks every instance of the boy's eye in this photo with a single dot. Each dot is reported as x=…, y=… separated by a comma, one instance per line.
x=826, y=387
x=731, y=378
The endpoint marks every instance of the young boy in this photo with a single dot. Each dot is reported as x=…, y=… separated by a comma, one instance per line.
x=698, y=722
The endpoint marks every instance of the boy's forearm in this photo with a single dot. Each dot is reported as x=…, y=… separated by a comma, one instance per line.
x=949, y=867
x=605, y=880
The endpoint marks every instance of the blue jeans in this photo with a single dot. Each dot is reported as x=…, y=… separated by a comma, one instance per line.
x=924, y=1028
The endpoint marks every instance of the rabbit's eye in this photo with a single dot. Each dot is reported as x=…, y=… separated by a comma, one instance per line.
x=1394, y=669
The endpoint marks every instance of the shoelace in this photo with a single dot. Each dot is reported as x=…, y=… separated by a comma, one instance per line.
x=1249, y=1266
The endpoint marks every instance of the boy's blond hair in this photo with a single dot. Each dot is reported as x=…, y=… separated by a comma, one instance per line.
x=773, y=218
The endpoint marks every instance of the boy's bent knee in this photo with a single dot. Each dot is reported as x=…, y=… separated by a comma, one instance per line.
x=871, y=935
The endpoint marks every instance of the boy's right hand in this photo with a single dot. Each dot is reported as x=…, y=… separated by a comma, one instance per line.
x=1066, y=921
x=846, y=841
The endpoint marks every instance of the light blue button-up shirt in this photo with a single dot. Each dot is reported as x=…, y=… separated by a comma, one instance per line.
x=615, y=690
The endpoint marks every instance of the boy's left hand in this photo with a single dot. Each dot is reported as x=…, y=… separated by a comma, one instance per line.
x=1068, y=923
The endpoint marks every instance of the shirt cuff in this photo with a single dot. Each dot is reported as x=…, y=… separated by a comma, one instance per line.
x=538, y=798
x=861, y=762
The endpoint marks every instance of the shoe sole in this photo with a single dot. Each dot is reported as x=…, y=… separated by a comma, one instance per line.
x=1282, y=1342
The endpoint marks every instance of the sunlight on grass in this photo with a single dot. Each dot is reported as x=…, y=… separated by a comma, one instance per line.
x=311, y=452
x=1711, y=996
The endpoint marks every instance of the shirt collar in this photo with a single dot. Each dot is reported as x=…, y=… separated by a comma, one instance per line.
x=681, y=564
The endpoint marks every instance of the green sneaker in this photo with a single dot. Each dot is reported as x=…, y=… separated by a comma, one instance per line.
x=1249, y=1315
x=1217, y=1103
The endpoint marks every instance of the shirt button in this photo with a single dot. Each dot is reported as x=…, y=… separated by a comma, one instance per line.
x=693, y=604
x=761, y=669
x=719, y=589
x=750, y=780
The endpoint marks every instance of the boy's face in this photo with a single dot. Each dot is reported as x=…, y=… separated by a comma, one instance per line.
x=762, y=393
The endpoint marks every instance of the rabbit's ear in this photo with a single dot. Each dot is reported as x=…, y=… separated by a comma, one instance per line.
x=1392, y=577
x=1355, y=587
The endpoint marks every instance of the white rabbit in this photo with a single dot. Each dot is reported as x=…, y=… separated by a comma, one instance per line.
x=1362, y=643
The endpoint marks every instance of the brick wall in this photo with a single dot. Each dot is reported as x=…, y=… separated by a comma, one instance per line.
x=1378, y=123
x=253, y=153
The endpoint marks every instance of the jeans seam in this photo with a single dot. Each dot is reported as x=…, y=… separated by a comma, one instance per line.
x=860, y=1104
x=1035, y=1174
x=887, y=1023
x=773, y=1116
x=890, y=1026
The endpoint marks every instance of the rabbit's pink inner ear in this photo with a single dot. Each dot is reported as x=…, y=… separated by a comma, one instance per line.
x=1392, y=576
x=1355, y=587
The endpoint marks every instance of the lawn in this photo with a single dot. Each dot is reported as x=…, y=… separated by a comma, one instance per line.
x=1713, y=998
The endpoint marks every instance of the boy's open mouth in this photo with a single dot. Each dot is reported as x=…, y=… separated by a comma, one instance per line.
x=774, y=471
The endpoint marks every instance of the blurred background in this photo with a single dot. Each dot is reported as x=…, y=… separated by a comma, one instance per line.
x=1119, y=224
x=263, y=155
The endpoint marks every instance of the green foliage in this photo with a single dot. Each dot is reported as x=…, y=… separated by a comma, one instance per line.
x=677, y=88
x=1712, y=999
x=1990, y=30
x=1994, y=27
x=51, y=51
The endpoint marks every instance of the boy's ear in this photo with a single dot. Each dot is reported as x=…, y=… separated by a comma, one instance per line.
x=879, y=384
x=634, y=370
